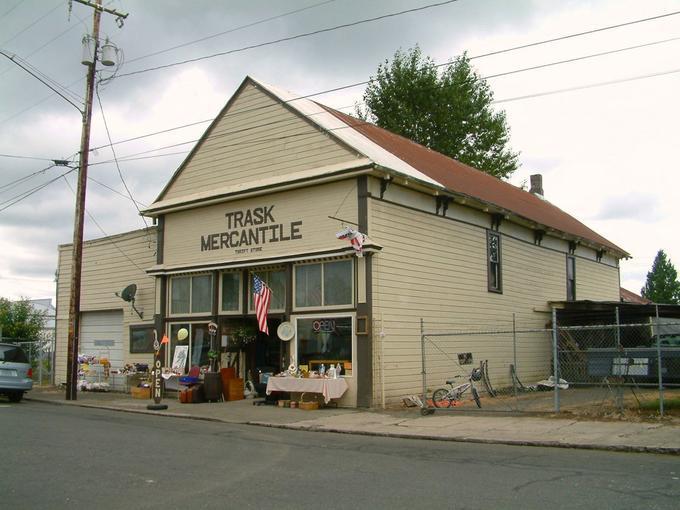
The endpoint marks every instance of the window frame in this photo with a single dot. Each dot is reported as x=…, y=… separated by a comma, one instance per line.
x=498, y=288
x=239, y=309
x=352, y=302
x=334, y=315
x=173, y=278
x=141, y=327
x=170, y=349
x=571, y=283
x=260, y=272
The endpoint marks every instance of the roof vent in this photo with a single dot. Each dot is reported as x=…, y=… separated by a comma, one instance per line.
x=536, y=185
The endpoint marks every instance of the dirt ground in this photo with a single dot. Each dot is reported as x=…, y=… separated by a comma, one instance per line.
x=592, y=402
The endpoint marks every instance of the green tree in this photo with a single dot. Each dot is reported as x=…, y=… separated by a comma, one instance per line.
x=20, y=321
x=662, y=284
x=448, y=111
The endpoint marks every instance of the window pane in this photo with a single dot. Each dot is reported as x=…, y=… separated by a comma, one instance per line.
x=200, y=345
x=327, y=340
x=308, y=285
x=230, y=292
x=141, y=339
x=277, y=283
x=201, y=294
x=179, y=300
x=337, y=283
x=180, y=357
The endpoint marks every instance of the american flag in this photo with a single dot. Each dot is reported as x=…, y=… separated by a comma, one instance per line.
x=262, y=296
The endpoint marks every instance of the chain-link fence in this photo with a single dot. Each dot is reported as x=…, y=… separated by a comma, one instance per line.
x=595, y=370
x=502, y=366
x=40, y=354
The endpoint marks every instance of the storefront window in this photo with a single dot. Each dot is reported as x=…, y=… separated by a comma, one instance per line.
x=325, y=340
x=337, y=283
x=324, y=284
x=191, y=294
x=276, y=281
x=180, y=295
x=193, y=349
x=231, y=292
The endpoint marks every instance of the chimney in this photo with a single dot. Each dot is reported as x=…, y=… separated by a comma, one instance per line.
x=536, y=185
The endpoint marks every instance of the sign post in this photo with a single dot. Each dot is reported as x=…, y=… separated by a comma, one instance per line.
x=156, y=380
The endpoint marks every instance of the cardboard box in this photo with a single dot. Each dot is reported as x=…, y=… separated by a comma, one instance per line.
x=141, y=393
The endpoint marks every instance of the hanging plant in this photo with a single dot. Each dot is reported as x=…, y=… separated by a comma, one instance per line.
x=241, y=336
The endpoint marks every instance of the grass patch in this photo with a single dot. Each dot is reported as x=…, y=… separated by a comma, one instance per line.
x=668, y=403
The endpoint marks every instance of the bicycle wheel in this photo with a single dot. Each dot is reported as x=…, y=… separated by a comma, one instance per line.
x=475, y=395
x=440, y=398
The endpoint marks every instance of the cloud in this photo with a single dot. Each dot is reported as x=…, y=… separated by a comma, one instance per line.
x=639, y=207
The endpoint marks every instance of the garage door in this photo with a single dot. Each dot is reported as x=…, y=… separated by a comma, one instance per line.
x=101, y=334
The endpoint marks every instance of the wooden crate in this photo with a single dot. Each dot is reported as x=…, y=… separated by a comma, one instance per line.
x=141, y=393
x=235, y=389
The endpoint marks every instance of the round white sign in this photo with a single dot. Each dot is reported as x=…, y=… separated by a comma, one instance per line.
x=286, y=331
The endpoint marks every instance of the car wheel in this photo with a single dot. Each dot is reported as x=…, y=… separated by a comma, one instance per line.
x=16, y=397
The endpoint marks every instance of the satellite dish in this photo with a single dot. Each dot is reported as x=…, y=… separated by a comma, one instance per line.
x=129, y=292
x=286, y=331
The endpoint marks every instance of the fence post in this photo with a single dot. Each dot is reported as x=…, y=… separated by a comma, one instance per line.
x=556, y=364
x=619, y=387
x=514, y=351
x=422, y=353
x=658, y=360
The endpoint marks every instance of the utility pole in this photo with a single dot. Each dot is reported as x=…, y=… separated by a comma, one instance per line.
x=77, y=257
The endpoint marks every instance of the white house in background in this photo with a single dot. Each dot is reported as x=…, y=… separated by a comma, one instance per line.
x=45, y=306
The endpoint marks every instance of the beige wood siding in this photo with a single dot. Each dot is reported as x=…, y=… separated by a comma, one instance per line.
x=596, y=282
x=185, y=231
x=434, y=268
x=256, y=137
x=109, y=265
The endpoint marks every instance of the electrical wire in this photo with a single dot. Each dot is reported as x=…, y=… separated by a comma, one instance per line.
x=108, y=238
x=28, y=193
x=120, y=173
x=231, y=30
x=585, y=87
x=11, y=185
x=127, y=197
x=44, y=82
x=291, y=38
x=24, y=157
x=33, y=23
x=10, y=9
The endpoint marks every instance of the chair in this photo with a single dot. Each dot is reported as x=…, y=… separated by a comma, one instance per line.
x=260, y=376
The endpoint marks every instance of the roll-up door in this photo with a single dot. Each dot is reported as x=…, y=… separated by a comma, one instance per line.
x=101, y=335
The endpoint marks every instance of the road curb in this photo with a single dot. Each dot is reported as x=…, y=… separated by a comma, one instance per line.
x=396, y=435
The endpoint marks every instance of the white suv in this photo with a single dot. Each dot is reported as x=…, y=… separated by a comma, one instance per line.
x=15, y=372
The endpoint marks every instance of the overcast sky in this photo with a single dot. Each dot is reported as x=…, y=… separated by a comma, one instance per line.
x=606, y=146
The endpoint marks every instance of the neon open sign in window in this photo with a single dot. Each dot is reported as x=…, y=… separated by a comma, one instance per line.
x=325, y=325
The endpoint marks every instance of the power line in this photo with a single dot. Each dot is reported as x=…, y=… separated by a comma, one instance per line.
x=577, y=59
x=231, y=30
x=589, y=86
x=578, y=34
x=15, y=183
x=25, y=157
x=292, y=37
x=44, y=82
x=10, y=9
x=109, y=238
x=33, y=23
x=23, y=196
x=120, y=174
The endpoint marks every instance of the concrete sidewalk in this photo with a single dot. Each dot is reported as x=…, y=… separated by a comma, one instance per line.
x=657, y=437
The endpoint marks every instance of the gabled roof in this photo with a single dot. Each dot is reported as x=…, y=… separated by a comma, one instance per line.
x=464, y=179
x=427, y=167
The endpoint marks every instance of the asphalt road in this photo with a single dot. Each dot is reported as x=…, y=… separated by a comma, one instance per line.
x=68, y=457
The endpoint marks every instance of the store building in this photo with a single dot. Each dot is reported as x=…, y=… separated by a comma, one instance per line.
x=265, y=191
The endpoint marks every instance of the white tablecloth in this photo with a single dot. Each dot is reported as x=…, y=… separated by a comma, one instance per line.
x=329, y=388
